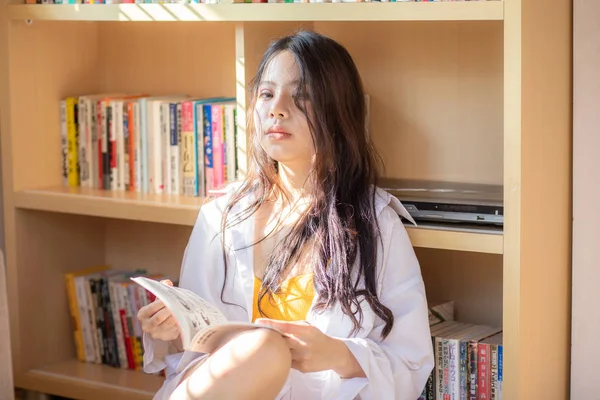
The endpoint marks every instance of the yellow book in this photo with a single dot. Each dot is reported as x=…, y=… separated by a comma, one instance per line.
x=74, y=306
x=72, y=142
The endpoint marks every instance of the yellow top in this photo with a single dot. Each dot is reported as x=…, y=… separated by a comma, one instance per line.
x=291, y=305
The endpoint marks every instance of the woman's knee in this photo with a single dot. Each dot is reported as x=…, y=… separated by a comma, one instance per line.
x=265, y=345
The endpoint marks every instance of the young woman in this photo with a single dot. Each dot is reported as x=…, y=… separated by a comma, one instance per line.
x=307, y=244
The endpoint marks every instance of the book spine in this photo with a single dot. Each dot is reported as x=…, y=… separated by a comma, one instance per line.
x=439, y=368
x=137, y=336
x=500, y=378
x=445, y=390
x=144, y=144
x=107, y=118
x=230, y=142
x=138, y=149
x=101, y=127
x=120, y=148
x=165, y=143
x=473, y=360
x=92, y=121
x=75, y=316
x=72, y=139
x=84, y=142
x=110, y=345
x=493, y=371
x=64, y=142
x=174, y=149
x=188, y=161
x=464, y=371
x=112, y=111
x=208, y=148
x=179, y=126
x=217, y=136
x=131, y=144
x=199, y=150
x=114, y=288
x=125, y=167
x=483, y=366
x=87, y=318
x=125, y=317
x=98, y=320
x=453, y=369
x=156, y=148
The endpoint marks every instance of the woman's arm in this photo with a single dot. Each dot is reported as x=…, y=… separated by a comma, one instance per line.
x=344, y=363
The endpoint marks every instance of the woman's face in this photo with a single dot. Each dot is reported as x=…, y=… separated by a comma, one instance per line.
x=283, y=127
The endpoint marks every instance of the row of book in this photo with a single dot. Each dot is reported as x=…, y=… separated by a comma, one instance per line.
x=103, y=304
x=468, y=358
x=164, y=144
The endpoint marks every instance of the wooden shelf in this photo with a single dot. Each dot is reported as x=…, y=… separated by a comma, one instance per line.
x=411, y=11
x=88, y=381
x=446, y=238
x=181, y=210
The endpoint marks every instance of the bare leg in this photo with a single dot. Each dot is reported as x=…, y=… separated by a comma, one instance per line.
x=252, y=366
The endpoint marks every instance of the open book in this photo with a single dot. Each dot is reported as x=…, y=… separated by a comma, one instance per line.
x=203, y=327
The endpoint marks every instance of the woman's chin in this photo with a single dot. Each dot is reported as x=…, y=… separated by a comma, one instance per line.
x=287, y=158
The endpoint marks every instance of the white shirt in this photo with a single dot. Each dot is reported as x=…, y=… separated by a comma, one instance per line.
x=396, y=368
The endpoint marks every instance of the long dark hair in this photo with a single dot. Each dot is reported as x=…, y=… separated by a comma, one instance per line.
x=341, y=220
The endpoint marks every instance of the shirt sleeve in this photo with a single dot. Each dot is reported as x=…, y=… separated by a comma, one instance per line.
x=398, y=366
x=159, y=354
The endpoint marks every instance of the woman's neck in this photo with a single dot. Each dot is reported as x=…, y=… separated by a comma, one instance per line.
x=295, y=182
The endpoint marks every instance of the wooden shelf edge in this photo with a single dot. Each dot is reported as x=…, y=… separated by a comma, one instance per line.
x=446, y=239
x=372, y=11
x=177, y=210
x=180, y=210
x=74, y=379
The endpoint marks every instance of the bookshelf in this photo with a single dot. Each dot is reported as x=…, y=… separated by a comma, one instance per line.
x=276, y=12
x=472, y=91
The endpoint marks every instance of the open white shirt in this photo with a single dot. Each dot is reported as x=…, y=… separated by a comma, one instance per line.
x=396, y=368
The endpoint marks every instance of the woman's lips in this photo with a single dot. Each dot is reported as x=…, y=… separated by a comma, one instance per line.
x=277, y=133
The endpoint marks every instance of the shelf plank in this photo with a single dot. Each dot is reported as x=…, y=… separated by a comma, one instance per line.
x=169, y=209
x=372, y=11
x=78, y=380
x=181, y=210
x=448, y=238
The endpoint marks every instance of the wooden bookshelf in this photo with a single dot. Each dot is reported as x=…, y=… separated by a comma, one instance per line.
x=77, y=380
x=474, y=91
x=439, y=11
x=182, y=210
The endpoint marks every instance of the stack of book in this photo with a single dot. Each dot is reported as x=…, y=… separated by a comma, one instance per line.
x=103, y=304
x=133, y=142
x=468, y=358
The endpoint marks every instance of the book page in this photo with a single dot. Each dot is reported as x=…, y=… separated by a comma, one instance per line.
x=192, y=313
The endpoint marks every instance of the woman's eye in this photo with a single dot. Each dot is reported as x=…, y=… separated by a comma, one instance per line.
x=265, y=95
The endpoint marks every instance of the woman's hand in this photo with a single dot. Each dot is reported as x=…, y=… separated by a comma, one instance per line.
x=158, y=321
x=314, y=351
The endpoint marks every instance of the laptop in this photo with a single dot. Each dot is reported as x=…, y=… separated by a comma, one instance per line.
x=473, y=203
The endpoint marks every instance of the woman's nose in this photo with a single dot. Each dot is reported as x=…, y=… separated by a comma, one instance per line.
x=279, y=108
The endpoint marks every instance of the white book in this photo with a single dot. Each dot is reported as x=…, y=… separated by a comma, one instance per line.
x=203, y=327
x=230, y=149
x=165, y=139
x=121, y=169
